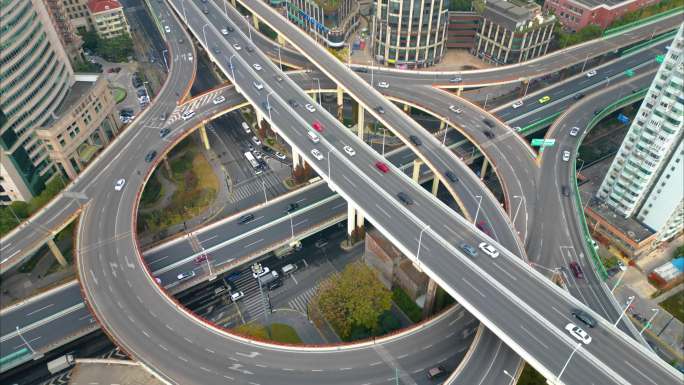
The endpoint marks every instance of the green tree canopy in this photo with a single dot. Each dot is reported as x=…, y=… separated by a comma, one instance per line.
x=355, y=297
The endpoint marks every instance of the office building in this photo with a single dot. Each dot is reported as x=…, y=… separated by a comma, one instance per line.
x=78, y=13
x=108, y=19
x=513, y=32
x=35, y=76
x=645, y=178
x=83, y=124
x=462, y=29
x=71, y=42
x=577, y=14
x=409, y=33
x=330, y=22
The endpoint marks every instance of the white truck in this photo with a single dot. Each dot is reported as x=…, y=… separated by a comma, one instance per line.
x=64, y=362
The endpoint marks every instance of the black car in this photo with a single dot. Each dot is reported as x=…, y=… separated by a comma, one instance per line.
x=293, y=103
x=216, y=50
x=416, y=140
x=451, y=176
x=245, y=218
x=565, y=190
x=292, y=207
x=578, y=96
x=275, y=284
x=380, y=110
x=362, y=70
x=150, y=156
x=489, y=134
x=250, y=48
x=405, y=198
x=584, y=317
x=163, y=132
x=230, y=29
x=488, y=122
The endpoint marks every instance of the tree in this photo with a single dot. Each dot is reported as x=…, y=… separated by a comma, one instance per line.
x=461, y=5
x=354, y=298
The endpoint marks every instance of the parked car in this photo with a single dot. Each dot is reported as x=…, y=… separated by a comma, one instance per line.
x=265, y=270
x=256, y=141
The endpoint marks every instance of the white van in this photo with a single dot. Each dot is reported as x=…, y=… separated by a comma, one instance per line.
x=245, y=127
x=312, y=135
x=288, y=269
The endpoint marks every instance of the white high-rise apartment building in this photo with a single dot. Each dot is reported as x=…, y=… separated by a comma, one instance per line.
x=646, y=178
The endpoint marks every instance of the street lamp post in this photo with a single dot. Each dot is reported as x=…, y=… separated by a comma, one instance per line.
x=33, y=352
x=211, y=275
x=420, y=239
x=479, y=203
x=145, y=84
x=319, y=89
x=372, y=72
x=485, y=103
x=383, y=140
x=619, y=279
x=519, y=204
x=204, y=33
x=648, y=323
x=581, y=165
x=249, y=30
x=527, y=87
x=291, y=225
x=263, y=185
x=280, y=59
x=446, y=128
x=166, y=64
x=185, y=16
x=585, y=63
x=509, y=375
x=567, y=362
x=629, y=303
x=225, y=7
x=268, y=106
x=232, y=69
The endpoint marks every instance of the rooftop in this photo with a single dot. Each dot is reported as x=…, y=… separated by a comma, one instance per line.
x=591, y=4
x=97, y=6
x=592, y=178
x=79, y=89
x=511, y=14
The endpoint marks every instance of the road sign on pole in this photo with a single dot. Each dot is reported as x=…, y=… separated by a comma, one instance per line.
x=660, y=58
x=629, y=73
x=540, y=142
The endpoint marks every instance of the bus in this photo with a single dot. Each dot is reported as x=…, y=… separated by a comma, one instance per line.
x=255, y=164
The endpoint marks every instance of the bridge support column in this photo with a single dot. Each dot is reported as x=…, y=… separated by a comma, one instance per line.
x=281, y=40
x=233, y=2
x=483, y=170
x=407, y=108
x=203, y=135
x=459, y=91
x=430, y=295
x=442, y=125
x=416, y=169
x=259, y=118
x=435, y=185
x=295, y=159
x=255, y=21
x=56, y=252
x=360, y=122
x=351, y=220
x=340, y=104
x=359, y=219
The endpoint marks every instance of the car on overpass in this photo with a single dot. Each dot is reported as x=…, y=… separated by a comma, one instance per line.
x=489, y=249
x=517, y=104
x=544, y=99
x=578, y=333
x=591, y=73
x=383, y=85
x=119, y=184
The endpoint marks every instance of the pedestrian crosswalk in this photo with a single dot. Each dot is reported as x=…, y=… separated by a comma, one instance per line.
x=193, y=105
x=254, y=186
x=252, y=305
x=301, y=301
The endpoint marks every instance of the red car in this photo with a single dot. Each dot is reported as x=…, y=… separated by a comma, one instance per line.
x=200, y=258
x=382, y=167
x=317, y=126
x=576, y=270
x=482, y=225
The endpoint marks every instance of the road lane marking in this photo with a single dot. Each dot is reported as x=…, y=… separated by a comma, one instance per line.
x=640, y=372
x=504, y=271
x=473, y=287
x=42, y=308
x=534, y=337
x=253, y=243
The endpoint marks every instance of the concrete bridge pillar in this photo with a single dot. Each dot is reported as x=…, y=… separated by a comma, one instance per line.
x=430, y=295
x=255, y=21
x=233, y=2
x=459, y=91
x=295, y=158
x=416, y=169
x=442, y=125
x=203, y=135
x=259, y=118
x=407, y=108
x=359, y=219
x=281, y=40
x=360, y=122
x=351, y=219
x=56, y=252
x=435, y=185
x=340, y=104
x=483, y=170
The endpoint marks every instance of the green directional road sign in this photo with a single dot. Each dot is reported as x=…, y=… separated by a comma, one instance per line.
x=543, y=142
x=629, y=73
x=660, y=58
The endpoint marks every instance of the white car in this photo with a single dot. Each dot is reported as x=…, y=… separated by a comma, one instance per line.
x=591, y=73
x=578, y=333
x=383, y=85
x=257, y=66
x=574, y=131
x=317, y=154
x=309, y=107
x=219, y=99
x=455, y=109
x=349, y=150
x=119, y=185
x=167, y=29
x=517, y=128
x=190, y=56
x=264, y=271
x=224, y=31
x=566, y=156
x=237, y=46
x=236, y=295
x=280, y=155
x=186, y=275
x=517, y=104
x=258, y=85
x=256, y=141
x=489, y=249
x=188, y=114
